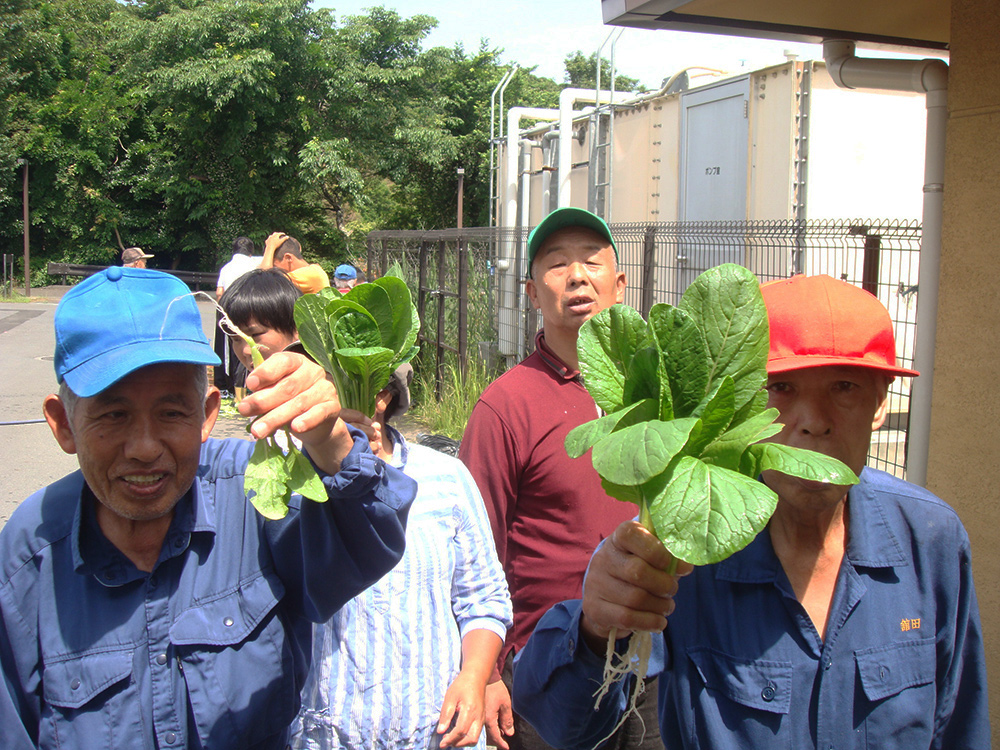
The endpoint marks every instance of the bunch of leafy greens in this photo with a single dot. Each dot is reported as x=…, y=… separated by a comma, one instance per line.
x=686, y=410
x=361, y=337
x=273, y=474
x=685, y=413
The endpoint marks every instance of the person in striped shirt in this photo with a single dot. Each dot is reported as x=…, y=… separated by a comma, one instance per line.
x=405, y=663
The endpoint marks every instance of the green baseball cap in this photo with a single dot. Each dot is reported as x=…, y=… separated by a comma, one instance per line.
x=562, y=218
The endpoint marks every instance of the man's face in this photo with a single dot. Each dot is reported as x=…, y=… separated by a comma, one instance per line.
x=138, y=442
x=830, y=410
x=141, y=263
x=574, y=277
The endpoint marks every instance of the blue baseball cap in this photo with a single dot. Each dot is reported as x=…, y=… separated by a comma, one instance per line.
x=562, y=218
x=345, y=271
x=122, y=319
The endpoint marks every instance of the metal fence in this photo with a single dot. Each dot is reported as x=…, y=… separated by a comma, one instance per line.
x=470, y=292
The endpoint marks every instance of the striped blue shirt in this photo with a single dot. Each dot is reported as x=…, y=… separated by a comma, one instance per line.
x=382, y=665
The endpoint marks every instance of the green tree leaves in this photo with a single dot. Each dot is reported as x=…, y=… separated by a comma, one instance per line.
x=690, y=456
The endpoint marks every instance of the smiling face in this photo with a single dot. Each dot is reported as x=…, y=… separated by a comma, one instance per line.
x=830, y=410
x=574, y=276
x=138, y=442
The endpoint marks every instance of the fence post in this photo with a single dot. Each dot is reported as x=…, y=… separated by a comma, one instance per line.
x=369, y=255
x=422, y=292
x=384, y=260
x=648, y=270
x=463, y=304
x=439, y=333
x=873, y=259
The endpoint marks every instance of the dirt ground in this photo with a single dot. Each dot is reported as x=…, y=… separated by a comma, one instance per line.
x=231, y=425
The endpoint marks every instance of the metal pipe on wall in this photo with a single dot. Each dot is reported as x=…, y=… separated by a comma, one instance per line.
x=930, y=77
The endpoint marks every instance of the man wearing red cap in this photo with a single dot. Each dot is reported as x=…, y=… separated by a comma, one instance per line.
x=851, y=622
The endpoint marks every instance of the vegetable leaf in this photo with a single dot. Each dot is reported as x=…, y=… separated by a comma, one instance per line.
x=581, y=439
x=687, y=410
x=638, y=453
x=360, y=337
x=683, y=355
x=609, y=345
x=799, y=462
x=726, y=304
x=705, y=512
x=267, y=477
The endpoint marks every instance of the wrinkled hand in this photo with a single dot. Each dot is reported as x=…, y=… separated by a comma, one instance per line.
x=627, y=586
x=372, y=430
x=290, y=389
x=499, y=716
x=462, y=711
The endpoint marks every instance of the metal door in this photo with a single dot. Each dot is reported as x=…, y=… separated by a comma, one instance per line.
x=714, y=156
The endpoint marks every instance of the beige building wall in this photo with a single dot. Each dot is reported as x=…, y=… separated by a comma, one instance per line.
x=964, y=463
x=772, y=143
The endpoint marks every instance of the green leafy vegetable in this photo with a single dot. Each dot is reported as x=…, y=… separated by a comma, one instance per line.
x=361, y=337
x=273, y=474
x=686, y=412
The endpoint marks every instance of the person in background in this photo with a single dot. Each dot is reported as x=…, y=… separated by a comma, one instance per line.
x=228, y=375
x=850, y=622
x=405, y=663
x=134, y=257
x=284, y=252
x=261, y=304
x=143, y=601
x=548, y=511
x=345, y=277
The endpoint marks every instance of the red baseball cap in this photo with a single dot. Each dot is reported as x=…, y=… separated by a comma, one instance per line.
x=819, y=320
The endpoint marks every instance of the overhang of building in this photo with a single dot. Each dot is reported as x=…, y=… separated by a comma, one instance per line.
x=918, y=24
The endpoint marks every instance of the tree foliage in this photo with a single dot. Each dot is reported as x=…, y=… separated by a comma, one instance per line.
x=177, y=125
x=581, y=72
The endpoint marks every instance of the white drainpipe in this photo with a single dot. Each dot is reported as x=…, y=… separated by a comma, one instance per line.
x=567, y=98
x=928, y=77
x=513, y=133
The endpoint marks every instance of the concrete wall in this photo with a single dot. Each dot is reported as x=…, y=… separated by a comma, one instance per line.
x=964, y=463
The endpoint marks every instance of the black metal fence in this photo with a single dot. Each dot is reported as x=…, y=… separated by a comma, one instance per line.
x=469, y=288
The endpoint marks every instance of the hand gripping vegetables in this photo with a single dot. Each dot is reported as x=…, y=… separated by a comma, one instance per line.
x=359, y=338
x=685, y=413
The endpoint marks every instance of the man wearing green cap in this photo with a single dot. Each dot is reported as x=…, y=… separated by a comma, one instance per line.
x=547, y=511
x=849, y=622
x=143, y=601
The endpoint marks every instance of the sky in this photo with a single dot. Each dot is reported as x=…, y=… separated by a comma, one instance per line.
x=544, y=32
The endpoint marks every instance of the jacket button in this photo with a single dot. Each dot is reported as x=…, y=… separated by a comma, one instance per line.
x=228, y=622
x=767, y=693
x=161, y=659
x=74, y=685
x=170, y=737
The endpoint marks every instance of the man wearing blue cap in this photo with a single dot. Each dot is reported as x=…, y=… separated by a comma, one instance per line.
x=345, y=277
x=143, y=601
x=548, y=512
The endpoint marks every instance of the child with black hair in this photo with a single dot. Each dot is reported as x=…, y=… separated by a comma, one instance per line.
x=261, y=303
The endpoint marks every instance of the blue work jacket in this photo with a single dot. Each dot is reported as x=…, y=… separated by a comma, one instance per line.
x=211, y=648
x=901, y=664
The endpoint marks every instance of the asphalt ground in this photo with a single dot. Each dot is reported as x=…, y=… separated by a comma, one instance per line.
x=30, y=458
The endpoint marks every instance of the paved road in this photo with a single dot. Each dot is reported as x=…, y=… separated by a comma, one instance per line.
x=29, y=456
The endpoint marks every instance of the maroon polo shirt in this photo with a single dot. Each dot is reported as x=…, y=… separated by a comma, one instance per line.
x=548, y=511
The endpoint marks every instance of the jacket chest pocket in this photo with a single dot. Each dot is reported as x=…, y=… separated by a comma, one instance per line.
x=898, y=685
x=748, y=698
x=90, y=700
x=237, y=663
